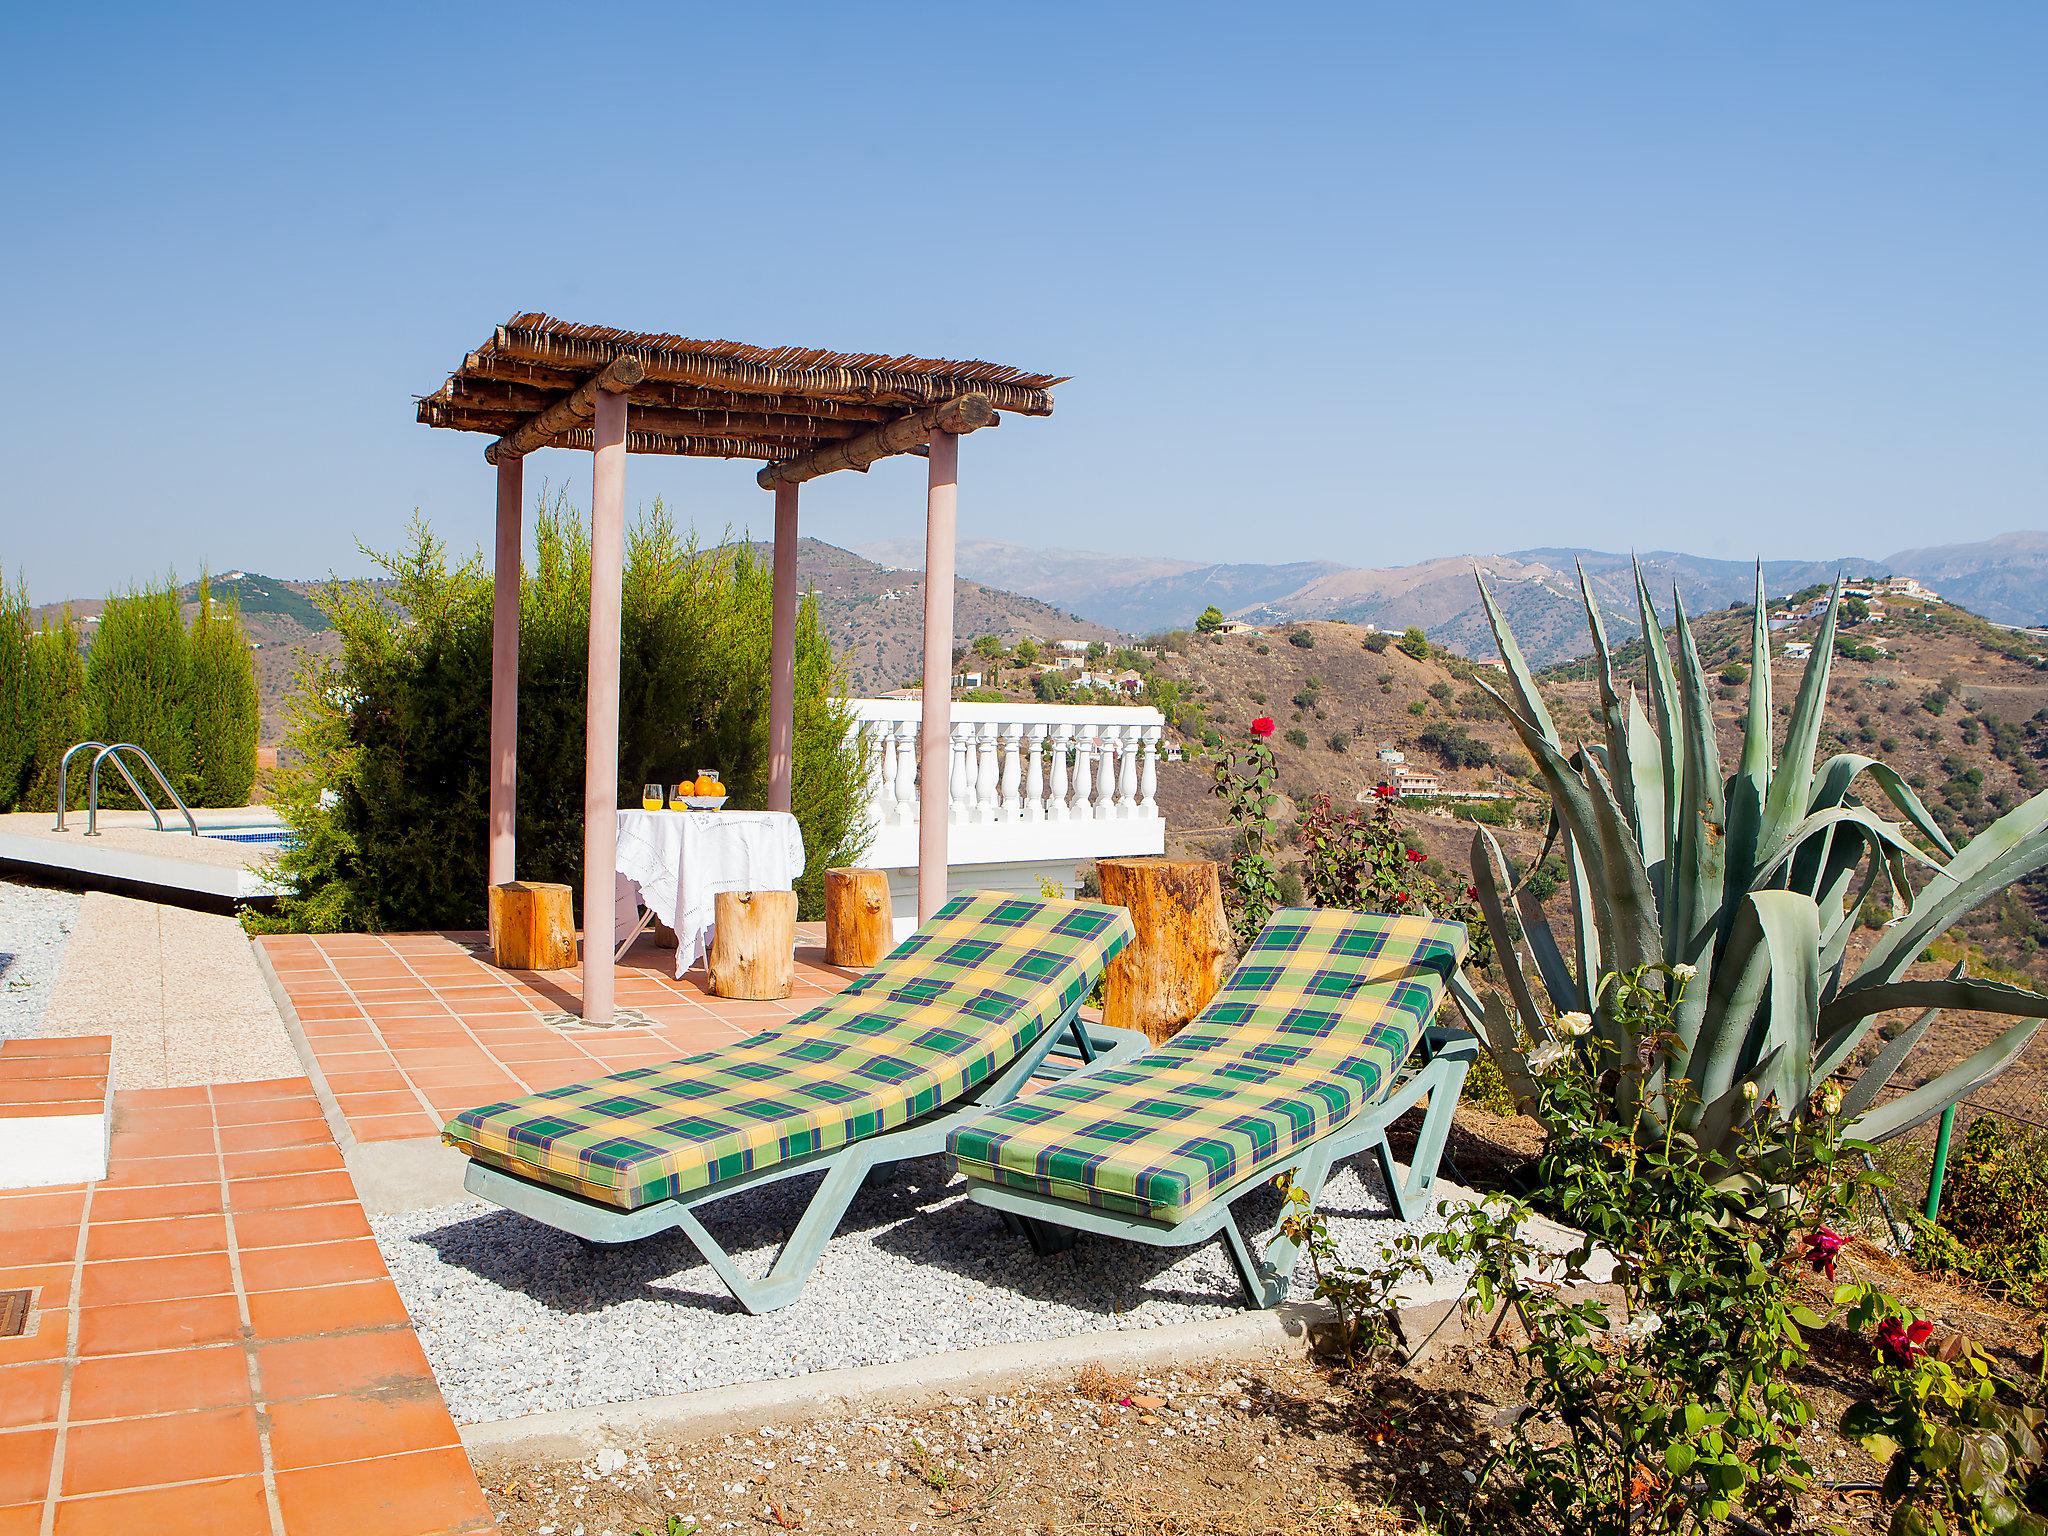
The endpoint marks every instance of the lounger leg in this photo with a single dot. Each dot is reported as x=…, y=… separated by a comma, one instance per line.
x=800, y=1254
x=1268, y=1270
x=1446, y=1079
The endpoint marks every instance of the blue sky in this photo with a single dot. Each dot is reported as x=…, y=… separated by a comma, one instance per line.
x=1370, y=282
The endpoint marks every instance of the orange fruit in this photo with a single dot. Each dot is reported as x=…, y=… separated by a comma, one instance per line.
x=706, y=785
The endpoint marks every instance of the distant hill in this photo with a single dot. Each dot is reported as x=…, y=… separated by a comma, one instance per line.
x=1136, y=594
x=875, y=615
x=2005, y=579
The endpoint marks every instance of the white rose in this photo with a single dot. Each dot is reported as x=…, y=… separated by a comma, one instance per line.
x=1749, y=1093
x=1573, y=1025
x=1546, y=1056
x=1831, y=1099
x=1685, y=972
x=1643, y=1324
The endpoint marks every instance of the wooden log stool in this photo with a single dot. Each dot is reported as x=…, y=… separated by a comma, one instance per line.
x=533, y=926
x=753, y=944
x=859, y=926
x=1182, y=949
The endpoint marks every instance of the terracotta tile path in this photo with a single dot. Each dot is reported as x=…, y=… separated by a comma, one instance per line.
x=214, y=1344
x=410, y=1028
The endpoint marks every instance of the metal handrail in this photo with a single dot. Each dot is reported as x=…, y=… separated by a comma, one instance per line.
x=92, y=793
x=64, y=767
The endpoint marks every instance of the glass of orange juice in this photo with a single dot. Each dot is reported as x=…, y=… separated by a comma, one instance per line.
x=650, y=797
x=676, y=794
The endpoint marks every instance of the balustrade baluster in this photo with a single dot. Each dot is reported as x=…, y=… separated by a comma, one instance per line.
x=960, y=784
x=986, y=806
x=1008, y=785
x=1148, y=779
x=1127, y=772
x=1084, y=771
x=1034, y=772
x=906, y=773
x=1062, y=747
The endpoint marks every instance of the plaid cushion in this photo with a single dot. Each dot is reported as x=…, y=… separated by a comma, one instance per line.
x=952, y=1005
x=1310, y=1030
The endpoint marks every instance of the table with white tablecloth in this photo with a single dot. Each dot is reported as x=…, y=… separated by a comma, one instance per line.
x=675, y=862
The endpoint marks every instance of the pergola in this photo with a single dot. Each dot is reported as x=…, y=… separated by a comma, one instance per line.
x=542, y=383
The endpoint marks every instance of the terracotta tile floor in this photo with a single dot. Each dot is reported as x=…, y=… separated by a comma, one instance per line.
x=215, y=1345
x=411, y=1028
x=64, y=1075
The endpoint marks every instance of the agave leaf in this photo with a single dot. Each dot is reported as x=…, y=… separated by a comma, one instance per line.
x=1879, y=831
x=1617, y=761
x=1558, y=980
x=1792, y=787
x=1489, y=873
x=1884, y=1066
x=1846, y=1019
x=1632, y=937
x=1916, y=1106
x=1488, y=1016
x=1646, y=773
x=1719, y=1053
x=1834, y=943
x=1585, y=931
x=1730, y=1107
x=2010, y=849
x=1662, y=684
x=1839, y=774
x=1791, y=929
x=1520, y=677
x=1695, y=918
x=1751, y=785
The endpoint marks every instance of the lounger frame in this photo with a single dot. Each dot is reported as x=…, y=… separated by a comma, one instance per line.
x=1266, y=1265
x=1092, y=1045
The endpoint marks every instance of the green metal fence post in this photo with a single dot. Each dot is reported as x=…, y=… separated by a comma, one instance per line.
x=1935, y=1174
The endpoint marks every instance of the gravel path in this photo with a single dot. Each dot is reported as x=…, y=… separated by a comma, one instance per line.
x=518, y=1318
x=35, y=922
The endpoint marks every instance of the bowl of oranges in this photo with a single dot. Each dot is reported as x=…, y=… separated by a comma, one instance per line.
x=703, y=793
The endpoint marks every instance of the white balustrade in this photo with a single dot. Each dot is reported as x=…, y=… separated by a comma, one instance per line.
x=1015, y=763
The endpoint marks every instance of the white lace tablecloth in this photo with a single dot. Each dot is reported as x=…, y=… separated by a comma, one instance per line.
x=675, y=862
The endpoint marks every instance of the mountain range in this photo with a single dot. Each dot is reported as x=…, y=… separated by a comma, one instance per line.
x=2004, y=578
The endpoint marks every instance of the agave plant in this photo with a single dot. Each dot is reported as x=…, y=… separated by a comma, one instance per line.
x=1753, y=881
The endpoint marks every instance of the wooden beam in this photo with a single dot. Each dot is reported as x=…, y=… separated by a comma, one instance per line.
x=880, y=385
x=498, y=384
x=576, y=409
x=964, y=413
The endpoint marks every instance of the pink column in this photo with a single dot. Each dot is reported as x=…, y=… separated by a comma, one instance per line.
x=601, y=733
x=505, y=669
x=782, y=652
x=935, y=748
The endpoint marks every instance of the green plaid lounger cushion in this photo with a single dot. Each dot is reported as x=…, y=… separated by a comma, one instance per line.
x=952, y=1005
x=1310, y=1030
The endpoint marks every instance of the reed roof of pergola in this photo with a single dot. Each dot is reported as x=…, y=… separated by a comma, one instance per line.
x=534, y=383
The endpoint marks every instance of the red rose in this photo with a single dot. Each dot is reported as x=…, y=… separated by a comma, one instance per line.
x=1263, y=726
x=1471, y=893
x=1400, y=898
x=1416, y=855
x=1822, y=1245
x=1902, y=1343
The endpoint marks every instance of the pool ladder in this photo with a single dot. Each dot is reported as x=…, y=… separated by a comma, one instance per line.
x=102, y=751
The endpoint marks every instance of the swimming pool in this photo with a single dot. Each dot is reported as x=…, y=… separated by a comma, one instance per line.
x=269, y=837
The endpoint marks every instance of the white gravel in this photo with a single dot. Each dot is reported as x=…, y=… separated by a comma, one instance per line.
x=35, y=923
x=519, y=1319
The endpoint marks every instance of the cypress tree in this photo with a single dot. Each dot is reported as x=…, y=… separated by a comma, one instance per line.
x=137, y=685
x=221, y=678
x=56, y=690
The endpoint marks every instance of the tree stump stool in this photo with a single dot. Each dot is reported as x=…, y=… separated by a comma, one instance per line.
x=1182, y=949
x=753, y=944
x=533, y=926
x=859, y=926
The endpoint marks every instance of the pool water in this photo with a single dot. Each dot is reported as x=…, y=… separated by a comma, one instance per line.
x=270, y=837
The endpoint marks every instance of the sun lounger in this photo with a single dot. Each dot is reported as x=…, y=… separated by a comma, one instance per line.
x=1319, y=1040
x=959, y=1017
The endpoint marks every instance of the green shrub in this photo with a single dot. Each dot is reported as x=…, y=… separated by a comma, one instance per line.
x=224, y=711
x=1994, y=1215
x=17, y=704
x=1414, y=642
x=137, y=686
x=1378, y=641
x=388, y=789
x=56, y=689
x=1297, y=737
x=1301, y=639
